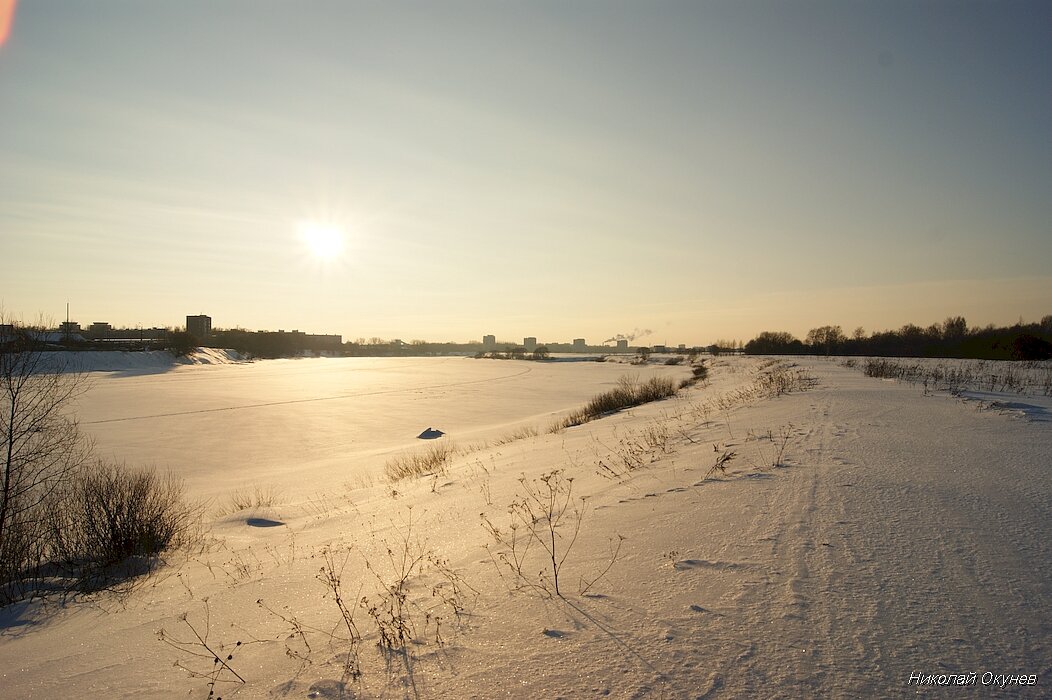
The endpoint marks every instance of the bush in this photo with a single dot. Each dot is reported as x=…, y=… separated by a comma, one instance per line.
x=110, y=514
x=21, y=552
x=181, y=343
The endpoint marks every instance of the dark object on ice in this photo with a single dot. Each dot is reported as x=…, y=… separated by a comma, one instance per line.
x=430, y=434
x=263, y=522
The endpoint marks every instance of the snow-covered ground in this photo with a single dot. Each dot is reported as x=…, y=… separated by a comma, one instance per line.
x=863, y=531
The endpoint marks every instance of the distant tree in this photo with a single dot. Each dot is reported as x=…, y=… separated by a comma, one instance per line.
x=517, y=353
x=722, y=346
x=954, y=328
x=827, y=339
x=774, y=343
x=541, y=353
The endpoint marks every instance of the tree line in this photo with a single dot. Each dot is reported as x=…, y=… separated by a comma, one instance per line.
x=951, y=338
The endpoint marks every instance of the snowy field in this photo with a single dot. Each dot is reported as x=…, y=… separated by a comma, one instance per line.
x=862, y=530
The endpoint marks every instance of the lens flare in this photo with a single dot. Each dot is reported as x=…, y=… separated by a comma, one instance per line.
x=7, y=18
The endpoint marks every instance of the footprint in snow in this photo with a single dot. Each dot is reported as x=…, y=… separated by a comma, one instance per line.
x=685, y=564
x=329, y=689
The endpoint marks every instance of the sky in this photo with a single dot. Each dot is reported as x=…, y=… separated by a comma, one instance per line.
x=705, y=170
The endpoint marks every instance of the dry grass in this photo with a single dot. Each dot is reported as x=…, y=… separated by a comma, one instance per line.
x=629, y=392
x=1002, y=376
x=435, y=460
x=251, y=498
x=521, y=433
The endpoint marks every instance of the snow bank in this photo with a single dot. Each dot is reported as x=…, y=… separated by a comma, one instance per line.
x=145, y=361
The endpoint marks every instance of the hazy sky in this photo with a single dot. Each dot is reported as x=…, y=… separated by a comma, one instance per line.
x=559, y=169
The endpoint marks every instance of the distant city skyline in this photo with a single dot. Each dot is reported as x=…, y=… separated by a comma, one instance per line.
x=440, y=170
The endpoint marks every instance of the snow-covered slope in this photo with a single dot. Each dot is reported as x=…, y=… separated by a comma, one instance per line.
x=862, y=531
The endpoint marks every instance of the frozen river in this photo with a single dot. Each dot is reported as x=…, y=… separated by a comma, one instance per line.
x=291, y=423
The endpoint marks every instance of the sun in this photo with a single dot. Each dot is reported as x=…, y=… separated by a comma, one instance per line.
x=324, y=241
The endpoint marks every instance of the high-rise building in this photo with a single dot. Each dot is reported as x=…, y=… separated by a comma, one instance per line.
x=530, y=343
x=200, y=327
x=489, y=342
x=579, y=345
x=622, y=345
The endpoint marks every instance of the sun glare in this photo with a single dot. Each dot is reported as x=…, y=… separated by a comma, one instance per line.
x=325, y=241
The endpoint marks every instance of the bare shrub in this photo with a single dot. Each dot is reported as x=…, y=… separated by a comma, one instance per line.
x=656, y=435
x=785, y=434
x=418, y=594
x=110, y=514
x=630, y=454
x=331, y=575
x=543, y=515
x=418, y=591
x=202, y=657
x=42, y=448
x=545, y=520
x=723, y=458
x=586, y=585
x=779, y=442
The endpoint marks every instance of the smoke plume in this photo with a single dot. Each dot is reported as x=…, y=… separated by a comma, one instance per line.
x=636, y=333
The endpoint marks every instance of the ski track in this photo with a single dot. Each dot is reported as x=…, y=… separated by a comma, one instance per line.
x=882, y=565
